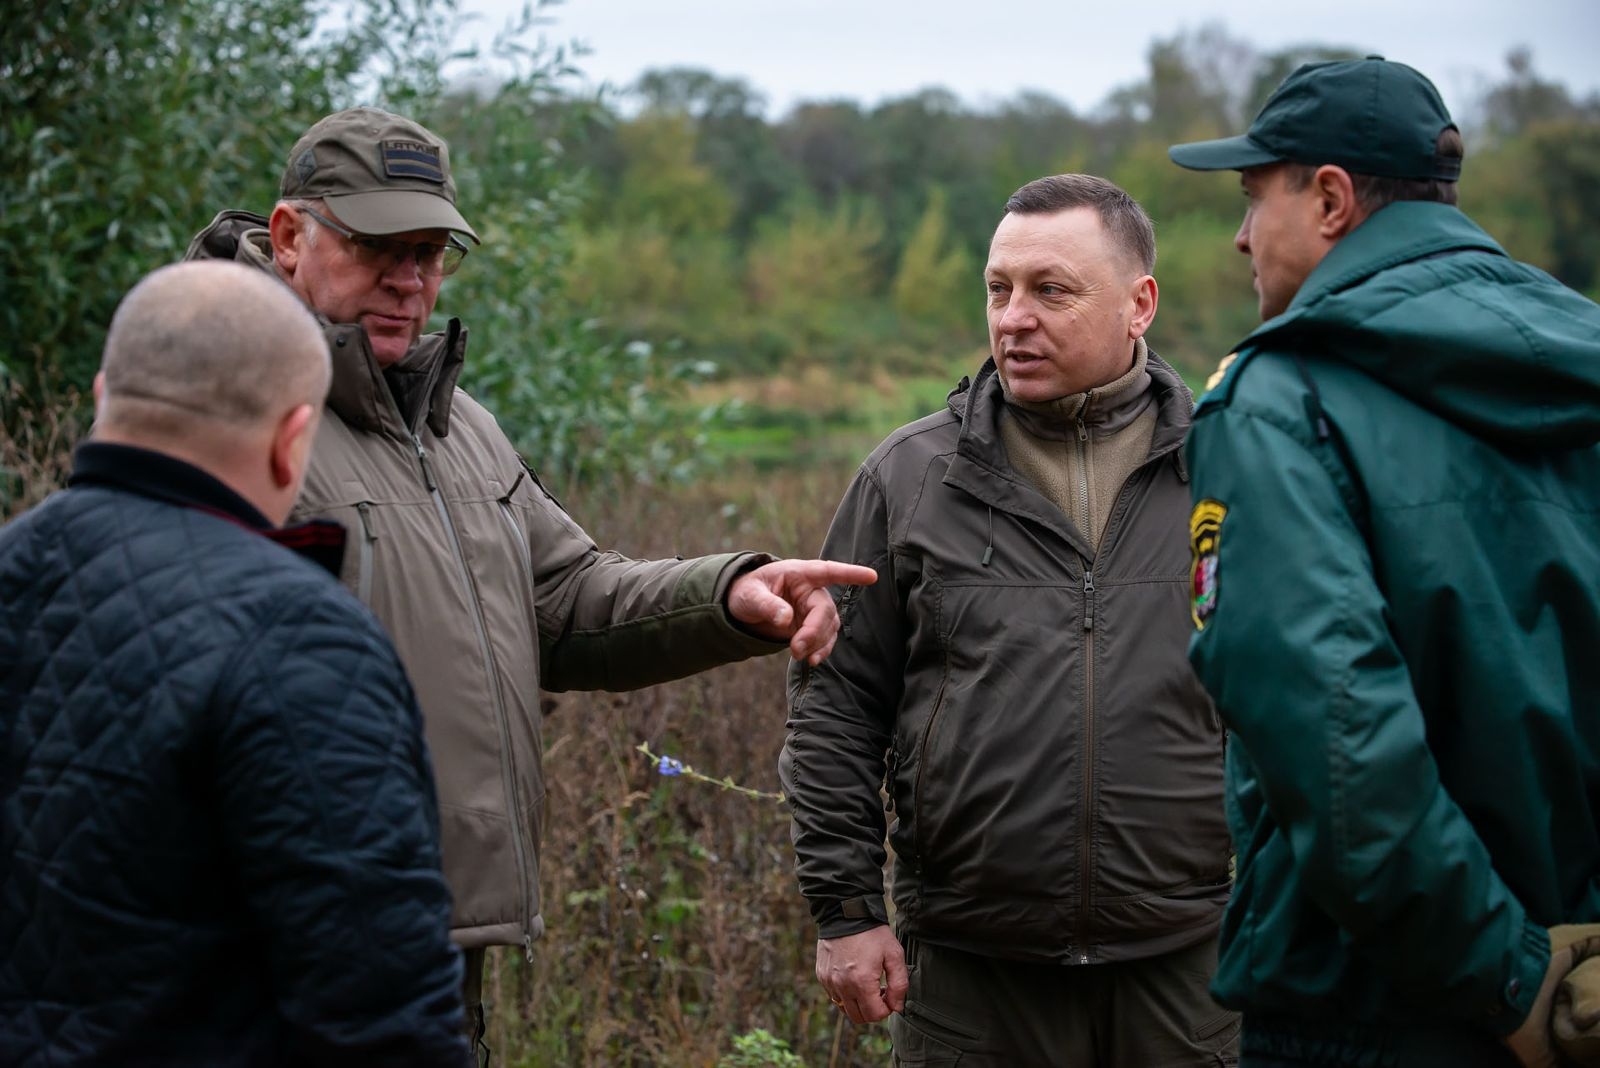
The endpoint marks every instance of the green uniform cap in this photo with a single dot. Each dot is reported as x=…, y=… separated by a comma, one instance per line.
x=1369, y=116
x=379, y=173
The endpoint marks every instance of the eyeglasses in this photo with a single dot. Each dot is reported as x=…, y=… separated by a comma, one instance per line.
x=385, y=253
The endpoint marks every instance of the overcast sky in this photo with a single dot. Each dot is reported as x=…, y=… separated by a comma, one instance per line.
x=984, y=50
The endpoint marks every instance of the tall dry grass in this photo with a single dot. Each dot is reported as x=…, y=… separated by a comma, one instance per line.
x=36, y=447
x=674, y=919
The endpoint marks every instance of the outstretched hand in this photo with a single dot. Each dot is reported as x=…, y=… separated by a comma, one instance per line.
x=789, y=600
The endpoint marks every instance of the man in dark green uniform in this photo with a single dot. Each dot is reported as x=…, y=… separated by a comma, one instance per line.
x=1396, y=579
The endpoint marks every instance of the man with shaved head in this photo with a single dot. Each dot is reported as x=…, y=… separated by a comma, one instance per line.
x=218, y=829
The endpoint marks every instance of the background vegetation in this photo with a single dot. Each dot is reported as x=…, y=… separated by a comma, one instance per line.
x=673, y=285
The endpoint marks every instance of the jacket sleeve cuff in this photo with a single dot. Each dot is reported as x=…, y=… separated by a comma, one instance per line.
x=838, y=918
x=1532, y=959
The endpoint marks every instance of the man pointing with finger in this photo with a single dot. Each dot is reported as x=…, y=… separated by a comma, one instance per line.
x=489, y=589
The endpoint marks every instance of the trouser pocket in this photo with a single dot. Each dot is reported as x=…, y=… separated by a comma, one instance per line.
x=916, y=1045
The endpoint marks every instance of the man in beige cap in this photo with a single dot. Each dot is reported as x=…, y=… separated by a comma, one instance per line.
x=489, y=589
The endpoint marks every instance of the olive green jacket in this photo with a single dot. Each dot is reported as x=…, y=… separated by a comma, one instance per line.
x=1053, y=768
x=490, y=591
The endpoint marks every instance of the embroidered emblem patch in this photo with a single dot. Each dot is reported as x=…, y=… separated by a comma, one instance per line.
x=1205, y=537
x=412, y=159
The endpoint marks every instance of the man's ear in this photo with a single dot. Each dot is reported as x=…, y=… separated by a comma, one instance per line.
x=285, y=229
x=1145, y=297
x=291, y=445
x=1338, y=211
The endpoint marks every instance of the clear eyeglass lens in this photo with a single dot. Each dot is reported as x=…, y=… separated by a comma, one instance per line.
x=433, y=260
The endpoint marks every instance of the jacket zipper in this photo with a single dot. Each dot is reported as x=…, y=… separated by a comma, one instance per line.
x=507, y=771
x=364, y=560
x=1083, y=481
x=1088, y=764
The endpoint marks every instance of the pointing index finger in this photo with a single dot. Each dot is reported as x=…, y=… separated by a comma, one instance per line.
x=837, y=573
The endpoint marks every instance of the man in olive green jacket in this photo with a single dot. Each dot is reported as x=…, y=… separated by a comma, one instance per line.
x=1017, y=682
x=1396, y=580
x=488, y=588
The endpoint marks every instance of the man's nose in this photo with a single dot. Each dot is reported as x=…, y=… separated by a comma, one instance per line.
x=404, y=272
x=1019, y=316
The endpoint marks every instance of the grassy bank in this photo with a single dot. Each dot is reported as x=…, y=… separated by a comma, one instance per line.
x=817, y=414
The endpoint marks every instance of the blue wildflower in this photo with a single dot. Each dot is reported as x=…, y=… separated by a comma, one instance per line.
x=670, y=766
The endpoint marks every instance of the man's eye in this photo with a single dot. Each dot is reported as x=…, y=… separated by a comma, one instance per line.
x=377, y=246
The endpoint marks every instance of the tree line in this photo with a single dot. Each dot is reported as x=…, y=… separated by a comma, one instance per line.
x=634, y=242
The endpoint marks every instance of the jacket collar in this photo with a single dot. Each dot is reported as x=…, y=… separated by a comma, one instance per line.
x=163, y=478
x=359, y=394
x=166, y=478
x=980, y=466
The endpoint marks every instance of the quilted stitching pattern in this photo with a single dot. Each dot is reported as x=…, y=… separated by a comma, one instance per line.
x=218, y=826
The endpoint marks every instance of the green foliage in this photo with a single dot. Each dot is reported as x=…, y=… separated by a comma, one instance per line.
x=663, y=184
x=758, y=1049
x=1206, y=304
x=581, y=401
x=127, y=123
x=937, y=288
x=810, y=269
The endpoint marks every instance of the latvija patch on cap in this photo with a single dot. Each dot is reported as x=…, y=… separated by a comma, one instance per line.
x=412, y=159
x=1205, y=539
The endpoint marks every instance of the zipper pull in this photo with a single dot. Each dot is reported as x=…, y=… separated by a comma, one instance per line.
x=422, y=458
x=1088, y=600
x=364, y=509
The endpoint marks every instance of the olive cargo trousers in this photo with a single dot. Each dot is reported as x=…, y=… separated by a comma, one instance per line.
x=967, y=1011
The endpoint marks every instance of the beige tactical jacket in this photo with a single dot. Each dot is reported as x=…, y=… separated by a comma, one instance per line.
x=489, y=590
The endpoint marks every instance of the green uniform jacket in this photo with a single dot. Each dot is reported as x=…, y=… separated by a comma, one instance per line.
x=1397, y=573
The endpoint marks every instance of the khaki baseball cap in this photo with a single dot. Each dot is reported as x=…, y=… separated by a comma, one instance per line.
x=379, y=172
x=1370, y=116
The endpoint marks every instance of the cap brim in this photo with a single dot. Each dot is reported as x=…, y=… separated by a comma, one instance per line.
x=395, y=211
x=1223, y=154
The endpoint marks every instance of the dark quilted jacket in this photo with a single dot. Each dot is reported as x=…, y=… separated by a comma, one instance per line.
x=218, y=839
